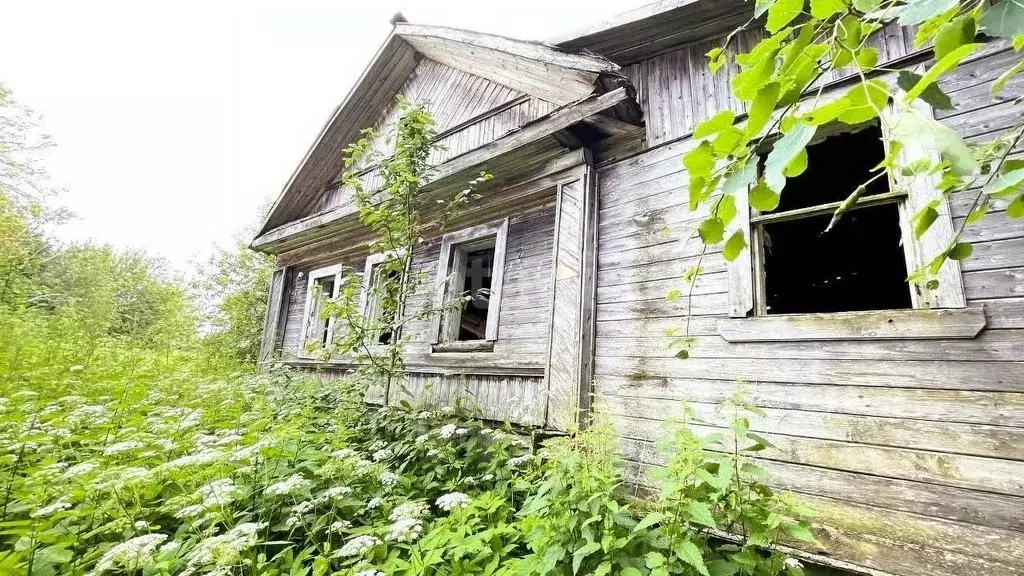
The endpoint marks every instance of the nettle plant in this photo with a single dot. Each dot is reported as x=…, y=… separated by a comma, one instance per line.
x=778, y=80
x=372, y=310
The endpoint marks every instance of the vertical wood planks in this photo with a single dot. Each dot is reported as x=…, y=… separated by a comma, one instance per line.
x=277, y=314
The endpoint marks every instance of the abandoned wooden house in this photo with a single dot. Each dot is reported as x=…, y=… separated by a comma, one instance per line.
x=898, y=415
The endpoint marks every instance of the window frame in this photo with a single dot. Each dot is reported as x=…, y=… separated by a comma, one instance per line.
x=312, y=276
x=910, y=193
x=366, y=304
x=452, y=245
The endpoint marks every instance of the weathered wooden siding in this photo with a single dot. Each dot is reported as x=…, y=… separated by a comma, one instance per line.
x=470, y=111
x=910, y=451
x=677, y=90
x=516, y=366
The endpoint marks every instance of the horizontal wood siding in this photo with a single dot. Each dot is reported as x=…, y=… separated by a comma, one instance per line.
x=500, y=398
x=516, y=365
x=454, y=98
x=909, y=450
x=677, y=90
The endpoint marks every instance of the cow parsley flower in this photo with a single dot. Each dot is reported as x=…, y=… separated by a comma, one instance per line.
x=344, y=453
x=335, y=493
x=374, y=503
x=409, y=510
x=450, y=430
x=388, y=479
x=201, y=458
x=130, y=555
x=190, y=511
x=358, y=546
x=339, y=526
x=405, y=530
x=382, y=454
x=370, y=573
x=289, y=485
x=422, y=439
x=52, y=509
x=223, y=550
x=218, y=493
x=453, y=500
x=519, y=460
x=121, y=447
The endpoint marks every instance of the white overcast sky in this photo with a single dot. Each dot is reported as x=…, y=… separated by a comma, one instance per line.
x=176, y=120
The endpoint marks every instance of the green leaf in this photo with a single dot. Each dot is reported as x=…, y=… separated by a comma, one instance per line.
x=715, y=124
x=867, y=100
x=689, y=553
x=602, y=568
x=1000, y=84
x=822, y=9
x=961, y=251
x=726, y=209
x=741, y=178
x=682, y=354
x=700, y=513
x=955, y=34
x=932, y=94
x=800, y=532
x=728, y=141
x=783, y=153
x=1005, y=182
x=915, y=129
x=761, y=440
x=1016, y=208
x=924, y=219
x=673, y=295
x=827, y=112
x=1005, y=19
x=867, y=58
x=700, y=160
x=796, y=166
x=763, y=198
x=782, y=12
x=761, y=108
x=630, y=571
x=944, y=65
x=711, y=231
x=581, y=554
x=762, y=6
x=722, y=568
x=716, y=59
x=654, y=559
x=917, y=11
x=734, y=246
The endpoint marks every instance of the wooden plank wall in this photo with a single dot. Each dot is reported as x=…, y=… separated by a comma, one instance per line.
x=497, y=397
x=516, y=366
x=912, y=452
x=454, y=97
x=677, y=90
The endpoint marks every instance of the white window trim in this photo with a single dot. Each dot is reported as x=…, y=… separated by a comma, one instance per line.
x=364, y=293
x=451, y=242
x=311, y=277
x=745, y=274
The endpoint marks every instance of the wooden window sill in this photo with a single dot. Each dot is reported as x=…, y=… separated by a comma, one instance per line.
x=933, y=324
x=463, y=346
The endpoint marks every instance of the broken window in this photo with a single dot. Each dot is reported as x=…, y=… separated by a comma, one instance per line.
x=322, y=285
x=470, y=272
x=857, y=265
x=376, y=270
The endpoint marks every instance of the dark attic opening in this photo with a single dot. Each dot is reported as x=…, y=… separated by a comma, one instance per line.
x=859, y=264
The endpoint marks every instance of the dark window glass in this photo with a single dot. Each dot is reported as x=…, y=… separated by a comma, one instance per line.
x=479, y=267
x=325, y=286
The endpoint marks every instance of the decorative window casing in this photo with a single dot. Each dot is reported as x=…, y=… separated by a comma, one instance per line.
x=747, y=294
x=470, y=259
x=369, y=304
x=322, y=285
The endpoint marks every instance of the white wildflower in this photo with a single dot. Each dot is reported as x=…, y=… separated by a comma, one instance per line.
x=447, y=431
x=218, y=493
x=122, y=447
x=519, y=460
x=370, y=573
x=409, y=510
x=374, y=503
x=198, y=459
x=379, y=444
x=405, y=530
x=424, y=415
x=302, y=507
x=792, y=563
x=223, y=550
x=422, y=439
x=52, y=509
x=130, y=555
x=141, y=524
x=388, y=479
x=382, y=454
x=335, y=493
x=229, y=439
x=289, y=485
x=340, y=526
x=453, y=500
x=165, y=443
x=358, y=546
x=170, y=546
x=344, y=453
x=292, y=522
x=190, y=511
